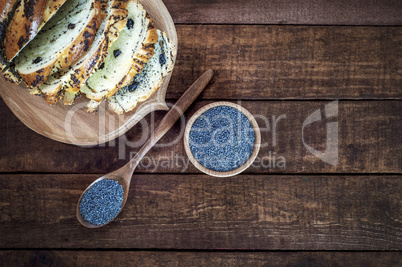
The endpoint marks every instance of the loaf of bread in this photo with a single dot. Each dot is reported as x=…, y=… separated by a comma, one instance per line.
x=107, y=50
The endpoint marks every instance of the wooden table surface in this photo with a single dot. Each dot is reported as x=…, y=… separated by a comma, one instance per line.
x=281, y=60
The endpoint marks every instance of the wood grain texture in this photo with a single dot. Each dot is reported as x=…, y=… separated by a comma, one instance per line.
x=369, y=142
x=256, y=210
x=290, y=62
x=202, y=212
x=230, y=259
x=342, y=12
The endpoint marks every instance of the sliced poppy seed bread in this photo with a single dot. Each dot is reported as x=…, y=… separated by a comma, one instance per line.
x=70, y=80
x=148, y=81
x=7, y=10
x=65, y=38
x=103, y=49
x=29, y=17
x=138, y=35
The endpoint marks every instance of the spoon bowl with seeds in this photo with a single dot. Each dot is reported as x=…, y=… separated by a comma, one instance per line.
x=104, y=199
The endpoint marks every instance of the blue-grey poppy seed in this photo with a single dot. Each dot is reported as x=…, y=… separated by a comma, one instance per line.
x=116, y=53
x=222, y=139
x=130, y=24
x=133, y=86
x=162, y=59
x=102, y=202
x=37, y=60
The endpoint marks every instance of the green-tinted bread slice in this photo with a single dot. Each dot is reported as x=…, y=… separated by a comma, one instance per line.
x=64, y=39
x=135, y=44
x=148, y=81
x=28, y=19
x=68, y=82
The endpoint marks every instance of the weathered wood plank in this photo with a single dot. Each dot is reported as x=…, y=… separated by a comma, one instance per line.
x=342, y=12
x=369, y=142
x=62, y=258
x=201, y=212
x=290, y=62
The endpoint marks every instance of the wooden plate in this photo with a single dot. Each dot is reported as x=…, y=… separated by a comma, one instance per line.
x=72, y=124
x=257, y=143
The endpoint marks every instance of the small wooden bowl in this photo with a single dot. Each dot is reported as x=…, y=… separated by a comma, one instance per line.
x=227, y=173
x=72, y=124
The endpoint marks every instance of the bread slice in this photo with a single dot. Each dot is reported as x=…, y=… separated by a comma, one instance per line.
x=23, y=26
x=28, y=19
x=21, y=29
x=68, y=82
x=65, y=38
x=141, y=57
x=131, y=50
x=148, y=81
x=7, y=9
x=11, y=76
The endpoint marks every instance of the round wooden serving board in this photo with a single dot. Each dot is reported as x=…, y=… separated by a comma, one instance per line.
x=72, y=124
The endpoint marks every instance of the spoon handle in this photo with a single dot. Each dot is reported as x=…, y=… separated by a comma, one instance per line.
x=173, y=115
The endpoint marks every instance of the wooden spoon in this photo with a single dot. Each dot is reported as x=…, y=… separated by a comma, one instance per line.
x=125, y=173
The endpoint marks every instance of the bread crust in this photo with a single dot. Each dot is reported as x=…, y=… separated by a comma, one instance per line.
x=74, y=78
x=69, y=54
x=7, y=8
x=29, y=17
x=82, y=43
x=83, y=73
x=169, y=51
x=36, y=78
x=119, y=110
x=51, y=8
x=140, y=58
x=10, y=76
x=24, y=26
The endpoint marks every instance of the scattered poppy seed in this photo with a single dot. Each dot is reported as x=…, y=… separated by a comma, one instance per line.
x=222, y=139
x=162, y=59
x=102, y=202
x=116, y=53
x=71, y=26
x=37, y=60
x=130, y=24
x=102, y=66
x=132, y=87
